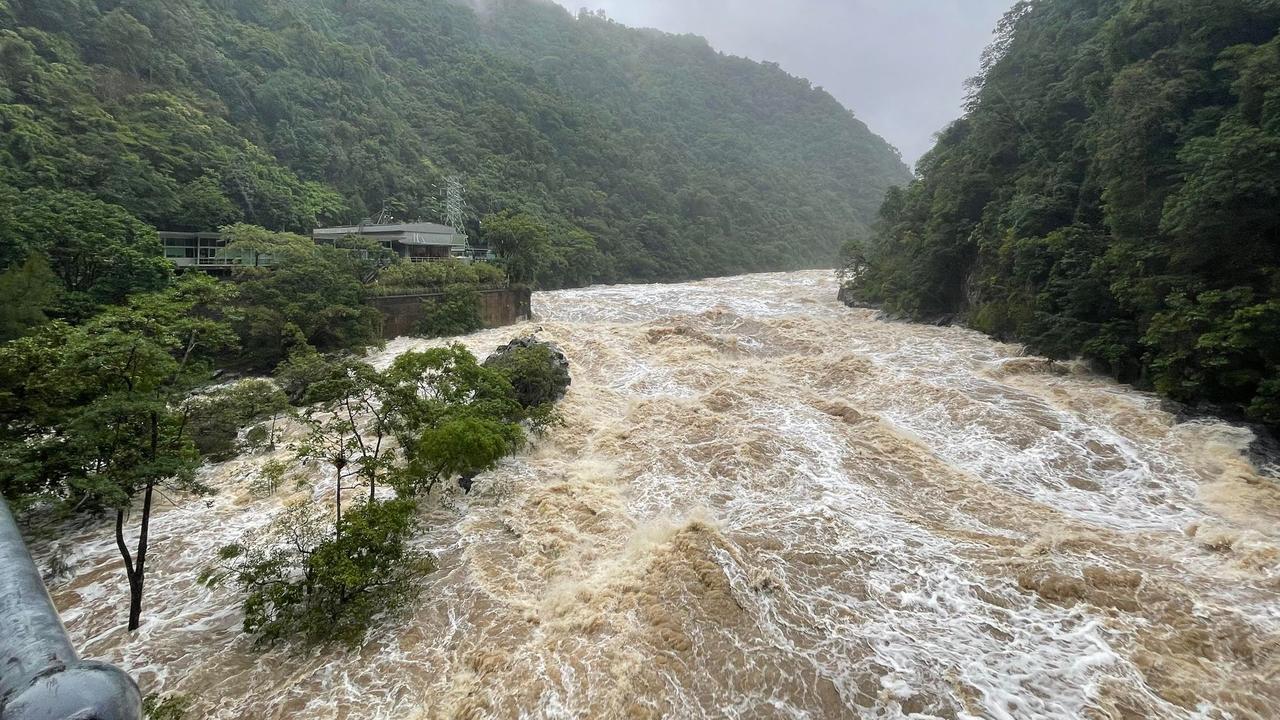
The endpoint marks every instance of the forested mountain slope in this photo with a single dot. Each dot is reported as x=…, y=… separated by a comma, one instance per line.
x=1112, y=192
x=651, y=155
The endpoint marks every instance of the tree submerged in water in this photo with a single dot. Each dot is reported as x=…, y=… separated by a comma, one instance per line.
x=302, y=581
x=321, y=576
x=94, y=418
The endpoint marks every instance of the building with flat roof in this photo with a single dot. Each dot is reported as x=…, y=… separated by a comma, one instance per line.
x=415, y=242
x=208, y=251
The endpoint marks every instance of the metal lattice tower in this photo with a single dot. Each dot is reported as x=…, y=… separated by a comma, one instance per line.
x=454, y=214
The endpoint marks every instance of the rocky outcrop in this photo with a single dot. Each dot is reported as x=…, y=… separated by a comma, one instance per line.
x=538, y=370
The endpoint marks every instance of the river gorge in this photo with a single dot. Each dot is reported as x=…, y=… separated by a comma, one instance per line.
x=763, y=504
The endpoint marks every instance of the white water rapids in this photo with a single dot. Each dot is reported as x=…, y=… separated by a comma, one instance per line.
x=766, y=505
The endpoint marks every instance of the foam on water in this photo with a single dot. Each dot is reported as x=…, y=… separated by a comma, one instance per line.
x=765, y=505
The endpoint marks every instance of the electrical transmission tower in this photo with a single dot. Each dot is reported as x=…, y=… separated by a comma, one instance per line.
x=454, y=204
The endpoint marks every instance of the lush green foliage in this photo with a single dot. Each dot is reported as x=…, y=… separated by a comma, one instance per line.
x=457, y=418
x=363, y=409
x=522, y=241
x=216, y=418
x=92, y=414
x=314, y=295
x=646, y=155
x=534, y=373
x=303, y=582
x=457, y=312
x=167, y=707
x=316, y=580
x=98, y=251
x=1111, y=193
x=409, y=278
x=27, y=292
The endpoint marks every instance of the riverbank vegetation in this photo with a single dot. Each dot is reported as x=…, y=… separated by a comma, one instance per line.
x=387, y=439
x=1111, y=193
x=110, y=402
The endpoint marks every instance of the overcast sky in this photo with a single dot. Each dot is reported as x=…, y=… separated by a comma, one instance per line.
x=899, y=64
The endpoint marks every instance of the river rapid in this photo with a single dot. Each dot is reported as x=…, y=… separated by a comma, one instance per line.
x=763, y=504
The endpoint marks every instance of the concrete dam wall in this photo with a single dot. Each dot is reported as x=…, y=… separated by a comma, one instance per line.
x=402, y=313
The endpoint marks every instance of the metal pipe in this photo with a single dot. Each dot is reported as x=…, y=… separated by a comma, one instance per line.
x=41, y=675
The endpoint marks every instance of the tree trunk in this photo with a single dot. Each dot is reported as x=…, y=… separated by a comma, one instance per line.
x=135, y=604
x=138, y=577
x=138, y=568
x=337, y=524
x=128, y=564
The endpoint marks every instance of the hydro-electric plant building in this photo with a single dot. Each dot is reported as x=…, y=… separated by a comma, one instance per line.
x=208, y=251
x=415, y=242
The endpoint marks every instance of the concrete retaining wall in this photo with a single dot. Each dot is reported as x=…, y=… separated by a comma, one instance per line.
x=402, y=313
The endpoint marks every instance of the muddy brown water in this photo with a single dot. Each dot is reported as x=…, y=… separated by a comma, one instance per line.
x=763, y=504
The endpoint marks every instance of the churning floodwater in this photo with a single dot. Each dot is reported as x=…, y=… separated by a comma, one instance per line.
x=763, y=504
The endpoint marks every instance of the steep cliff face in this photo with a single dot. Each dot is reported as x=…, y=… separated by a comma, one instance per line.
x=651, y=155
x=1109, y=194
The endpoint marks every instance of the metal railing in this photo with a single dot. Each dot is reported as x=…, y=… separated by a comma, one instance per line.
x=41, y=675
x=476, y=257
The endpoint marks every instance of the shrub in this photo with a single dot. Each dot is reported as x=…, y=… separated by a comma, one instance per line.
x=465, y=446
x=306, y=579
x=166, y=707
x=214, y=419
x=457, y=313
x=257, y=437
x=409, y=278
x=538, y=372
x=269, y=479
x=308, y=377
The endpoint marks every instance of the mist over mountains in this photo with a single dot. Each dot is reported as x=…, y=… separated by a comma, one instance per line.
x=651, y=155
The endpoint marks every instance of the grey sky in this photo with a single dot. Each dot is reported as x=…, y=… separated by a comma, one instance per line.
x=899, y=64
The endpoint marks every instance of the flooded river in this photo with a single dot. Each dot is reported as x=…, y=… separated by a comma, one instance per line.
x=763, y=504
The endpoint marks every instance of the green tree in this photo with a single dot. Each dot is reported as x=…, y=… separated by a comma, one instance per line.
x=320, y=581
x=204, y=205
x=535, y=373
x=435, y=388
x=1109, y=194
x=521, y=242
x=93, y=413
x=351, y=430
x=100, y=252
x=27, y=292
x=216, y=417
x=463, y=446
x=312, y=292
x=118, y=39
x=305, y=580
x=457, y=312
x=289, y=114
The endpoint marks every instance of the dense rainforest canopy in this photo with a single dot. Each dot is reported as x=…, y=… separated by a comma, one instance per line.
x=650, y=156
x=1113, y=192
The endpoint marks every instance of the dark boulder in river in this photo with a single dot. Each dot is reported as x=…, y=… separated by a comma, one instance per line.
x=538, y=370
